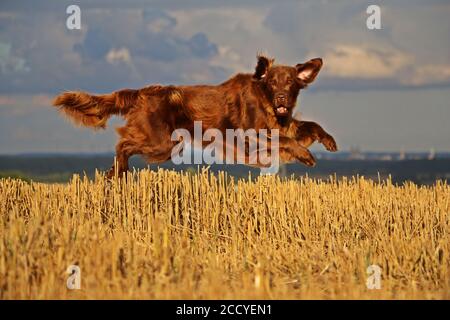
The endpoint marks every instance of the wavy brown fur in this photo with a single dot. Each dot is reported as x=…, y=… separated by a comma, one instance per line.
x=245, y=101
x=94, y=110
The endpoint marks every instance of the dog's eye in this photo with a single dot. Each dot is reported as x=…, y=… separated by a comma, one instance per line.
x=272, y=82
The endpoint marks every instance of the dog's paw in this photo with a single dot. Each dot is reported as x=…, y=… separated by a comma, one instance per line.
x=109, y=175
x=329, y=143
x=306, y=157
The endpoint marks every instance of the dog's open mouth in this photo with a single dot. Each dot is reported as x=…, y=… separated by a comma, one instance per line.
x=281, y=111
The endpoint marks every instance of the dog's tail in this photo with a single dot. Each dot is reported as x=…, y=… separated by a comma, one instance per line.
x=95, y=110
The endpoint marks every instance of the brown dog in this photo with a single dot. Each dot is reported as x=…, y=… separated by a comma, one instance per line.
x=263, y=100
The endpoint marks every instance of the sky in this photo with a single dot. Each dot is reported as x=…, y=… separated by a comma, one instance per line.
x=380, y=90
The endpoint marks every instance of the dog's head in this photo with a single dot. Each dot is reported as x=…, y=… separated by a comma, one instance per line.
x=282, y=84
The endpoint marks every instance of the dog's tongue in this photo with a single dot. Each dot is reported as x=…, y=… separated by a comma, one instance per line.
x=281, y=110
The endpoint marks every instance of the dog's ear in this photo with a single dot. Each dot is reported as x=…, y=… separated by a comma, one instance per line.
x=263, y=65
x=308, y=71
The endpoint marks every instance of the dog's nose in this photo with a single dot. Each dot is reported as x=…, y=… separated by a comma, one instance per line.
x=281, y=97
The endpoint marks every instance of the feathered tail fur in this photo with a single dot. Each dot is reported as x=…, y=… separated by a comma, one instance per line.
x=95, y=110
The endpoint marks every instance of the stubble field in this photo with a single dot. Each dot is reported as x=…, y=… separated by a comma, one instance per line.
x=168, y=235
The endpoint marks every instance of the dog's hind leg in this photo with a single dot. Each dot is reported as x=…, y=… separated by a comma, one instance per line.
x=155, y=147
x=130, y=143
x=124, y=150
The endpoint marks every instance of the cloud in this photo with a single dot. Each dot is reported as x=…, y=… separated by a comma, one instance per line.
x=10, y=63
x=133, y=44
x=201, y=47
x=158, y=21
x=95, y=45
x=364, y=62
x=114, y=49
x=118, y=55
x=139, y=42
x=7, y=100
x=41, y=100
x=429, y=74
x=381, y=67
x=406, y=53
x=14, y=105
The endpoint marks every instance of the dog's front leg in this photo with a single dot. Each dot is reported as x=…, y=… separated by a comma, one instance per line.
x=291, y=150
x=308, y=132
x=285, y=148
